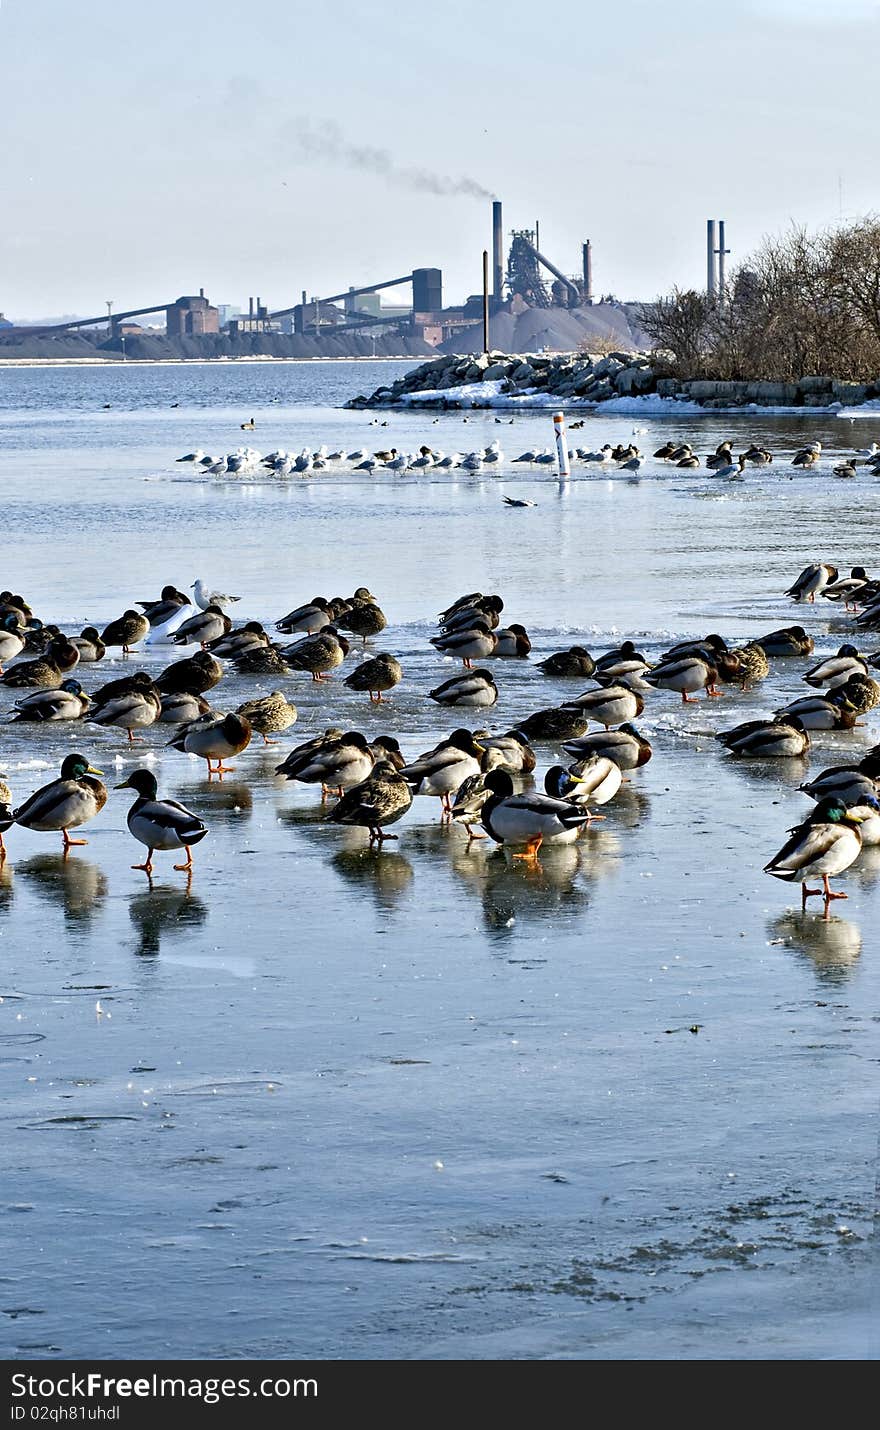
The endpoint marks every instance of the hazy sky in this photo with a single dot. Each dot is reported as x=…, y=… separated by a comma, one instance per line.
x=150, y=147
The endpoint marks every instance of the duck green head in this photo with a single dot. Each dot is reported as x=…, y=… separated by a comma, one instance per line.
x=75, y=766
x=143, y=782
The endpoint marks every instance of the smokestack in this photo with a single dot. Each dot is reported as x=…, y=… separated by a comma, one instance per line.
x=250, y=307
x=722, y=254
x=588, y=271
x=497, y=253
x=258, y=306
x=711, y=286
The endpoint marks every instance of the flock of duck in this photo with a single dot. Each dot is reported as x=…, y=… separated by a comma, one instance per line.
x=482, y=780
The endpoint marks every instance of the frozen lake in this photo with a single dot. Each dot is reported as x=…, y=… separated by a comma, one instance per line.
x=423, y=1103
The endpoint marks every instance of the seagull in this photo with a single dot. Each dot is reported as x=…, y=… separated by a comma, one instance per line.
x=205, y=598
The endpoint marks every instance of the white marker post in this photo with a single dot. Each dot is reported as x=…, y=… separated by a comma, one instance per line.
x=561, y=444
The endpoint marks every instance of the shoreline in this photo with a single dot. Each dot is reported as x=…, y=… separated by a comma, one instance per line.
x=191, y=362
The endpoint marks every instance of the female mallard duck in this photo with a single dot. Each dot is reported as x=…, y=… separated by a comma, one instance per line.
x=837, y=669
x=193, y=675
x=269, y=715
x=363, y=618
x=627, y=747
x=10, y=602
x=383, y=672
x=181, y=708
x=516, y=753
x=848, y=782
x=214, y=739
x=789, y=641
x=237, y=642
x=379, y=800
x=528, y=819
x=785, y=737
x=828, y=841
x=7, y=817
x=202, y=628
x=306, y=620
x=812, y=582
x=475, y=688
x=594, y=780
x=160, y=823
x=339, y=763
x=130, y=628
x=807, y=457
x=752, y=665
x=46, y=670
x=265, y=659
x=318, y=654
x=90, y=646
x=442, y=771
x=848, y=589
x=563, y=722
x=386, y=747
x=823, y=712
x=513, y=642
x=66, y=703
x=862, y=692
x=686, y=675
x=66, y=803
x=476, y=642
x=130, y=710
x=576, y=661
x=11, y=637
x=610, y=705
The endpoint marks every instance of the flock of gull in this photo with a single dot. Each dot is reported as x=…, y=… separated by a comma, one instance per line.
x=484, y=780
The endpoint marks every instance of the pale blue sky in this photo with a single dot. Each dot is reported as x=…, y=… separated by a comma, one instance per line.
x=148, y=147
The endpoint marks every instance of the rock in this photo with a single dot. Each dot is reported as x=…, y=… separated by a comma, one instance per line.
x=495, y=371
x=632, y=380
x=668, y=386
x=608, y=366
x=849, y=392
x=814, y=384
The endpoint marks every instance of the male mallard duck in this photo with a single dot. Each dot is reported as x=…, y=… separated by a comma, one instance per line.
x=666, y=451
x=836, y=669
x=248, y=637
x=560, y=783
x=160, y=823
x=442, y=771
x=610, y=705
x=828, y=841
x=130, y=628
x=752, y=664
x=513, y=642
x=562, y=722
x=624, y=654
x=363, y=618
x=383, y=672
x=7, y=817
x=572, y=662
x=709, y=648
x=46, y=670
x=301, y=755
x=812, y=582
x=12, y=639
x=269, y=715
x=306, y=620
x=528, y=819
x=337, y=763
x=470, y=600
x=476, y=642
x=848, y=588
x=138, y=680
x=823, y=712
x=475, y=688
x=848, y=782
x=209, y=625
x=171, y=603
x=10, y=602
x=721, y=457
x=516, y=753
x=130, y=710
x=781, y=738
x=386, y=747
x=379, y=800
x=318, y=654
x=789, y=641
x=845, y=469
x=686, y=675
x=66, y=703
x=194, y=674
x=214, y=739
x=181, y=708
x=467, y=806
x=66, y=803
x=90, y=646
x=627, y=747
x=487, y=609
x=595, y=780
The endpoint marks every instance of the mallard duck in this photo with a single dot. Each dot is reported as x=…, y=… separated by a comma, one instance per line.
x=848, y=588
x=862, y=693
x=721, y=457
x=10, y=602
x=594, y=780
x=467, y=805
x=205, y=597
x=364, y=617
x=628, y=671
x=181, y=708
x=217, y=739
x=562, y=722
x=318, y=654
x=66, y=803
x=160, y=823
x=7, y=817
x=782, y=738
x=845, y=469
x=386, y=747
x=576, y=661
x=339, y=763
x=691, y=460
x=836, y=669
x=475, y=688
x=707, y=648
x=758, y=456
x=812, y=582
x=129, y=710
x=828, y=841
x=46, y=670
x=610, y=704
x=867, y=812
x=383, y=672
x=130, y=628
x=848, y=782
x=627, y=747
x=265, y=659
x=209, y=625
x=476, y=642
x=807, y=457
x=528, y=819
x=686, y=675
x=487, y=609
x=666, y=451
x=66, y=703
x=624, y=653
x=171, y=603
x=789, y=641
x=512, y=642
x=516, y=753
x=237, y=642
x=752, y=664
x=89, y=644
x=12, y=639
x=379, y=800
x=470, y=600
x=822, y=712
x=302, y=755
x=442, y=771
x=869, y=617
x=269, y=715
x=306, y=620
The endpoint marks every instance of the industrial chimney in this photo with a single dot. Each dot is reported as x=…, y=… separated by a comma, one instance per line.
x=497, y=254
x=588, y=271
x=711, y=283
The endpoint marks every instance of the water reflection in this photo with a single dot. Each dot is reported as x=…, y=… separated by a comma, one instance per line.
x=785, y=774
x=833, y=944
x=7, y=889
x=164, y=910
x=80, y=885
x=867, y=868
x=519, y=890
x=384, y=873
x=228, y=799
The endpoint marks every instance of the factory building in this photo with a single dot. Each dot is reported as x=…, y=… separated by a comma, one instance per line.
x=191, y=317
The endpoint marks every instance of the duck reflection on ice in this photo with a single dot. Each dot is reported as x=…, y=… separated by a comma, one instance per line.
x=7, y=888
x=530, y=890
x=222, y=799
x=384, y=873
x=81, y=885
x=790, y=774
x=164, y=909
x=833, y=944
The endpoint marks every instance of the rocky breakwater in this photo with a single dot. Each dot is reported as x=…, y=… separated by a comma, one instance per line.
x=584, y=379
